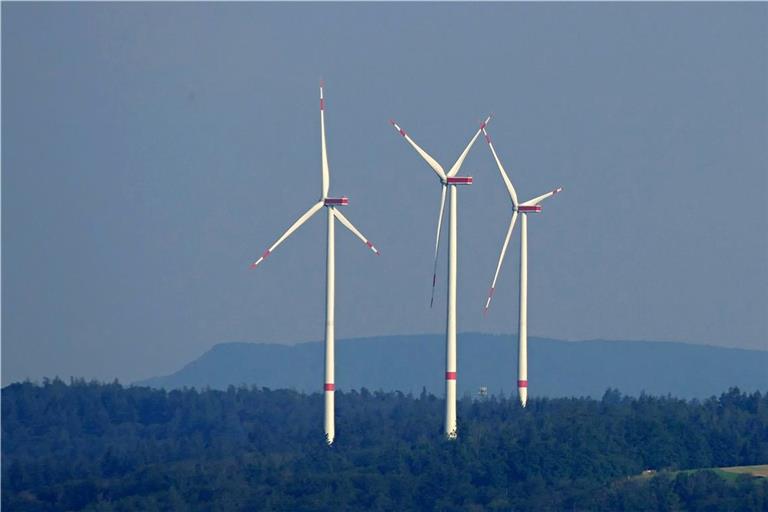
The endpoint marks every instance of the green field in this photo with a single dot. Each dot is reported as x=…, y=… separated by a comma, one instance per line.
x=729, y=473
x=760, y=470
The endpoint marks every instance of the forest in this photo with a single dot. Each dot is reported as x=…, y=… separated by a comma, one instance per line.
x=93, y=446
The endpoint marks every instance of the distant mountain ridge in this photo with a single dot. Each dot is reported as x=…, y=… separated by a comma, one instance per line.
x=409, y=363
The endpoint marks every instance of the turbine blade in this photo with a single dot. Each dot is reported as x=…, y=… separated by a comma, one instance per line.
x=457, y=165
x=437, y=242
x=536, y=200
x=301, y=220
x=501, y=260
x=323, y=151
x=431, y=161
x=507, y=182
x=354, y=230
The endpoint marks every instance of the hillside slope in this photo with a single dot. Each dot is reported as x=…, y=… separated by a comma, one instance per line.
x=408, y=363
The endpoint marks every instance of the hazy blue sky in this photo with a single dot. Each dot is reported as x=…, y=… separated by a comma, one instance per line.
x=152, y=151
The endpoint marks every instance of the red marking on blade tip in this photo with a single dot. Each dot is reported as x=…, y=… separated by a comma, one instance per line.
x=266, y=254
x=487, y=138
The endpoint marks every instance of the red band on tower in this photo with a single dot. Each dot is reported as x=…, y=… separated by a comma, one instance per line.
x=522, y=383
x=330, y=387
x=450, y=375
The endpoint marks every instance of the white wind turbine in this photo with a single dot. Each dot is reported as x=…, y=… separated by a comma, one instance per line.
x=448, y=180
x=530, y=206
x=330, y=203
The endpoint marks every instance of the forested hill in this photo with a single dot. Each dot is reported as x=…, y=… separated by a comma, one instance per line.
x=94, y=447
x=556, y=368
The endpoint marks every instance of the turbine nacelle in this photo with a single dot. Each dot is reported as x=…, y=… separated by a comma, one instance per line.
x=336, y=201
x=458, y=180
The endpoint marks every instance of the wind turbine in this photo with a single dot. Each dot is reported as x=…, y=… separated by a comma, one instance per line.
x=530, y=206
x=448, y=180
x=331, y=204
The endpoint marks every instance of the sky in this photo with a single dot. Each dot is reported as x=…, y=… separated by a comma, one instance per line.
x=151, y=152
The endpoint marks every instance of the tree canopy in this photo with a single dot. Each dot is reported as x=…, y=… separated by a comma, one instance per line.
x=98, y=447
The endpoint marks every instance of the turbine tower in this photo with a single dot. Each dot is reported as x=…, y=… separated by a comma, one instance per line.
x=448, y=180
x=333, y=214
x=530, y=206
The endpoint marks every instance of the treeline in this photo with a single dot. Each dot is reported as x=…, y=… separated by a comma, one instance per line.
x=105, y=447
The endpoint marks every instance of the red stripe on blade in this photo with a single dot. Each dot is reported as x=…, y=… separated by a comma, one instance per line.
x=322, y=104
x=450, y=375
x=330, y=387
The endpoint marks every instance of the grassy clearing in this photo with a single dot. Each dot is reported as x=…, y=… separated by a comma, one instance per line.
x=760, y=470
x=729, y=473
